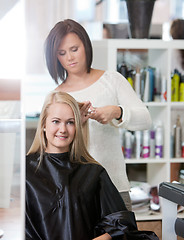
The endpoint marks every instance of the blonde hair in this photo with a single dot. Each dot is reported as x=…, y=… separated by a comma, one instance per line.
x=78, y=149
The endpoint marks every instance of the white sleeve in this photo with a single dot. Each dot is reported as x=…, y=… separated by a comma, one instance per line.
x=135, y=113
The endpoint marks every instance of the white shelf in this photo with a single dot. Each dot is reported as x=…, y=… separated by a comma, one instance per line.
x=145, y=160
x=159, y=55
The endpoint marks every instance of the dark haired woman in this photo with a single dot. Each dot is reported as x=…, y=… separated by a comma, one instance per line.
x=109, y=100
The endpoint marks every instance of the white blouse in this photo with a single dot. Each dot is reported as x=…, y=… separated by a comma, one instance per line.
x=105, y=139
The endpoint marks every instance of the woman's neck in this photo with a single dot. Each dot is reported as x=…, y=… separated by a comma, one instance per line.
x=76, y=82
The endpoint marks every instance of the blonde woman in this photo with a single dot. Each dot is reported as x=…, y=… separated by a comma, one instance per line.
x=69, y=195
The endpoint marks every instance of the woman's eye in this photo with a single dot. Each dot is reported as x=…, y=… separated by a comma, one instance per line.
x=55, y=121
x=74, y=49
x=70, y=122
x=61, y=53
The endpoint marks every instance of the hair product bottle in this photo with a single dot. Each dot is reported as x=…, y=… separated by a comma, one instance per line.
x=123, y=69
x=146, y=87
x=182, y=150
x=151, y=83
x=177, y=138
x=181, y=89
x=146, y=144
x=129, y=78
x=128, y=144
x=138, y=83
x=163, y=94
x=152, y=143
x=175, y=80
x=159, y=141
x=138, y=144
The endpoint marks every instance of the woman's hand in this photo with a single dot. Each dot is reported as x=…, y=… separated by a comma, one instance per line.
x=84, y=110
x=105, y=114
x=105, y=236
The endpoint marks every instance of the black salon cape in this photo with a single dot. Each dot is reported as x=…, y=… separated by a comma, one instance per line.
x=72, y=201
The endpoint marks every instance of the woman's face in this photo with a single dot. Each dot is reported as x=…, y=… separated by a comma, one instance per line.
x=59, y=128
x=71, y=54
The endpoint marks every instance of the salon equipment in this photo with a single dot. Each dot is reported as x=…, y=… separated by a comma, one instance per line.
x=172, y=195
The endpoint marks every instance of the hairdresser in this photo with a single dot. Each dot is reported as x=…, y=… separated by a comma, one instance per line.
x=109, y=102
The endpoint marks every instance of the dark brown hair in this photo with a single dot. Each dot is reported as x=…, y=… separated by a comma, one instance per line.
x=177, y=32
x=53, y=40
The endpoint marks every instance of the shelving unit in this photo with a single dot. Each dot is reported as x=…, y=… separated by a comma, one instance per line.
x=159, y=55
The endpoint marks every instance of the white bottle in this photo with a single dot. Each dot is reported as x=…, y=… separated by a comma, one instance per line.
x=146, y=144
x=163, y=89
x=159, y=141
x=138, y=144
x=128, y=144
x=177, y=138
x=146, y=87
x=152, y=143
x=138, y=83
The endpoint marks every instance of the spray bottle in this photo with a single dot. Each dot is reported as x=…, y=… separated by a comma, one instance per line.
x=152, y=143
x=159, y=141
x=138, y=144
x=175, y=79
x=146, y=87
x=146, y=144
x=181, y=97
x=163, y=89
x=129, y=78
x=177, y=138
x=138, y=83
x=128, y=144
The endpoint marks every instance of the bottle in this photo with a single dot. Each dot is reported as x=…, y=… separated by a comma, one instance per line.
x=159, y=141
x=157, y=84
x=151, y=83
x=181, y=95
x=146, y=87
x=128, y=144
x=123, y=70
x=152, y=143
x=146, y=144
x=182, y=150
x=138, y=82
x=129, y=78
x=163, y=93
x=177, y=138
x=138, y=144
x=175, y=79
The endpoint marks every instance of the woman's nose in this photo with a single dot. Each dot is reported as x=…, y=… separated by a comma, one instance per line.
x=62, y=128
x=69, y=56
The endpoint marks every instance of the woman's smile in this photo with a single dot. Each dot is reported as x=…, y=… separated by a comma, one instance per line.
x=60, y=128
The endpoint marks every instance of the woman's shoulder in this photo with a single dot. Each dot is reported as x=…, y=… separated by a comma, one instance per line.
x=113, y=78
x=32, y=159
x=92, y=166
x=113, y=75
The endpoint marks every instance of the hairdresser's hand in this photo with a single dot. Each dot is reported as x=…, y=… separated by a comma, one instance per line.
x=105, y=236
x=84, y=110
x=105, y=114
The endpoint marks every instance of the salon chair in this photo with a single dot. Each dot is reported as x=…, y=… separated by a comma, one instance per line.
x=172, y=195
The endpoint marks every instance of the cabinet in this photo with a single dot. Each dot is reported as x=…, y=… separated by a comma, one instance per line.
x=108, y=53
